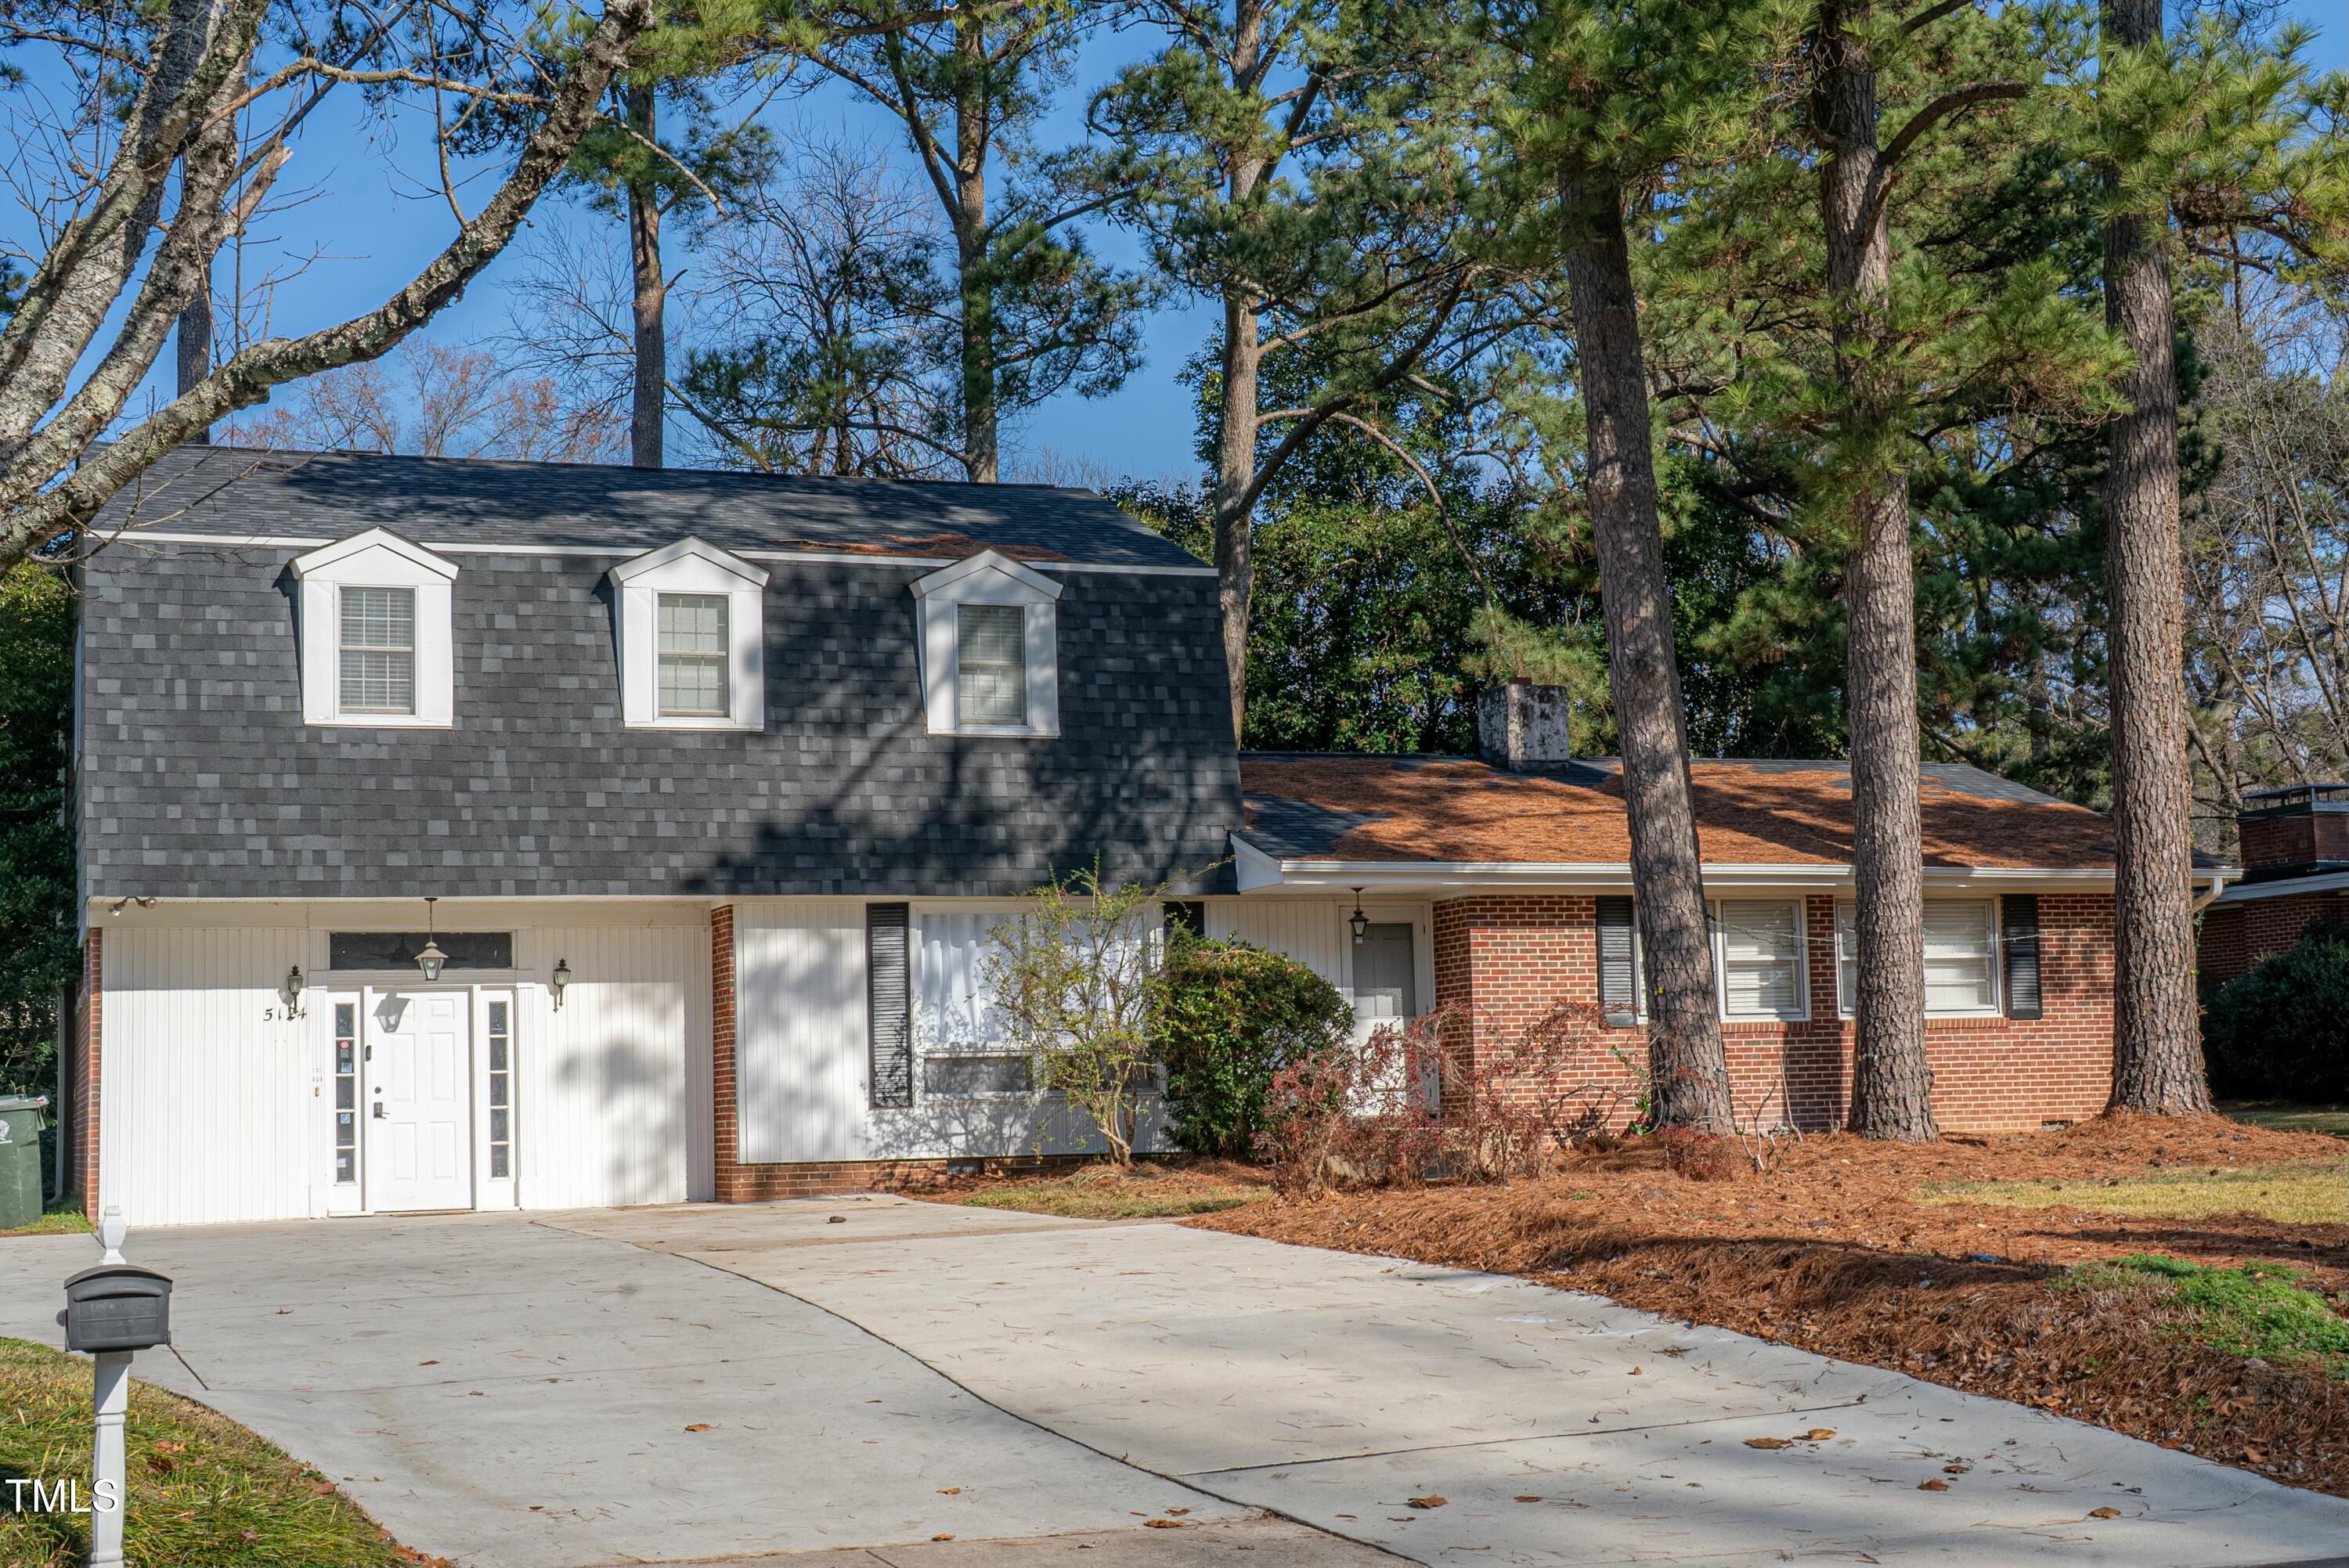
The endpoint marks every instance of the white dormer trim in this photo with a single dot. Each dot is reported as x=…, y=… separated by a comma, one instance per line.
x=989, y=577
x=376, y=558
x=690, y=565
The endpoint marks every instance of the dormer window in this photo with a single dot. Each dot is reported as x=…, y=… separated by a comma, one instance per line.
x=693, y=655
x=989, y=642
x=689, y=622
x=990, y=664
x=378, y=648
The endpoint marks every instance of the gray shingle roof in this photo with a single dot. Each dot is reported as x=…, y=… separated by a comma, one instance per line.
x=456, y=501
x=197, y=777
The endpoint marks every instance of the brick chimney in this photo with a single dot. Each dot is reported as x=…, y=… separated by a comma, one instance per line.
x=2295, y=832
x=1522, y=726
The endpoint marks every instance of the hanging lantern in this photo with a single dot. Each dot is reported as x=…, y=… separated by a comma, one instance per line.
x=1357, y=920
x=432, y=959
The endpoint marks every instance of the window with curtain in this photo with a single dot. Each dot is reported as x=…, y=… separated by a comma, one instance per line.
x=691, y=673
x=1960, y=956
x=990, y=664
x=379, y=650
x=1758, y=948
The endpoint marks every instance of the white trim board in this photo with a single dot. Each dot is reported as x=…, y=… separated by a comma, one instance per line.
x=1259, y=872
x=624, y=553
x=2284, y=887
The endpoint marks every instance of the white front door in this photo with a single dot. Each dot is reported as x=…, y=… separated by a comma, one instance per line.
x=419, y=1099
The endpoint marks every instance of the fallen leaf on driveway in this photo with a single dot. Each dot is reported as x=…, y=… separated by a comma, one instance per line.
x=1635, y=1371
x=1431, y=1501
x=1769, y=1442
x=1820, y=1434
x=1164, y=1524
x=2104, y=1513
x=837, y=1220
x=1528, y=1499
x=1178, y=1512
x=949, y=1491
x=942, y=1538
x=699, y=1427
x=434, y=1362
x=1936, y=1484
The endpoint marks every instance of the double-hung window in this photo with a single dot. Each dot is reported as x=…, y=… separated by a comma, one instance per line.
x=374, y=621
x=990, y=645
x=990, y=664
x=692, y=656
x=378, y=631
x=1960, y=956
x=689, y=620
x=1758, y=950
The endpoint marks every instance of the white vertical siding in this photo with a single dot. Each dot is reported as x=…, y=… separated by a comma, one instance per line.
x=1311, y=930
x=206, y=1113
x=211, y=1111
x=614, y=1099
x=801, y=1066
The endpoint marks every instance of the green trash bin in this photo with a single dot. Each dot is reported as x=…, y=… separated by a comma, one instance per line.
x=20, y=1159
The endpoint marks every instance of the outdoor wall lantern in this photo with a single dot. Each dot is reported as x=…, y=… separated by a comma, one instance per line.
x=294, y=984
x=1357, y=920
x=431, y=958
x=559, y=979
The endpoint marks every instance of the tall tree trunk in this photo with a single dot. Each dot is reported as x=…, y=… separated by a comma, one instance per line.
x=1892, y=1082
x=1235, y=475
x=649, y=406
x=1237, y=423
x=194, y=351
x=2157, y=1064
x=972, y=134
x=1691, y=1074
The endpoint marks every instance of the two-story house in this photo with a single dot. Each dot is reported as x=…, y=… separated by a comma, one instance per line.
x=476, y=835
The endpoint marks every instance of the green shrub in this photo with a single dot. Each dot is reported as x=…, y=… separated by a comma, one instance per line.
x=1234, y=1016
x=2278, y=1032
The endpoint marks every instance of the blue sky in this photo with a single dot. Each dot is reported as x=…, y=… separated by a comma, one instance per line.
x=373, y=222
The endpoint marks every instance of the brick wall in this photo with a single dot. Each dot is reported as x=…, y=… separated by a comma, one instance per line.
x=1504, y=961
x=2236, y=936
x=2294, y=839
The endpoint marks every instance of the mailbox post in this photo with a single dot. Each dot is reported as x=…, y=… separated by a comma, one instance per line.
x=111, y=1311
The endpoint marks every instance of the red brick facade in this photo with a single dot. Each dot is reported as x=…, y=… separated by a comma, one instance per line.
x=1505, y=960
x=2237, y=934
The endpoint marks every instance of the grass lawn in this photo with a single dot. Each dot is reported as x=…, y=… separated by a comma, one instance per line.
x=203, y=1490
x=2261, y=1309
x=2298, y=1192
x=1148, y=1190
x=62, y=1218
x=2284, y=1115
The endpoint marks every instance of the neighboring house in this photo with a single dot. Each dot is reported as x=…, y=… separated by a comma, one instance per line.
x=2295, y=850
x=478, y=835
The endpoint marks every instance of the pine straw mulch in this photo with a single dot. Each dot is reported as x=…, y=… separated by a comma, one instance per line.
x=1829, y=1252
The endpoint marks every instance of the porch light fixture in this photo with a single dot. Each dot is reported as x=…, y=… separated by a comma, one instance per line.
x=558, y=980
x=294, y=984
x=1357, y=920
x=431, y=958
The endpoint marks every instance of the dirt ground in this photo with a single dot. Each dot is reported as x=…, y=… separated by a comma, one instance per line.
x=1831, y=1251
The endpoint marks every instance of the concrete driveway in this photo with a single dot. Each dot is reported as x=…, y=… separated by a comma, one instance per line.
x=518, y=1392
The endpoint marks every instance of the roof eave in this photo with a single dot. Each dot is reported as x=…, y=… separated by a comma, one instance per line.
x=1260, y=871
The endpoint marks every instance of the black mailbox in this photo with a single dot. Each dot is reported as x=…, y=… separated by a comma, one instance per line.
x=117, y=1307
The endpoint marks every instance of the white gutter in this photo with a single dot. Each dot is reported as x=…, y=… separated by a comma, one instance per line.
x=2218, y=886
x=2284, y=887
x=1260, y=871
